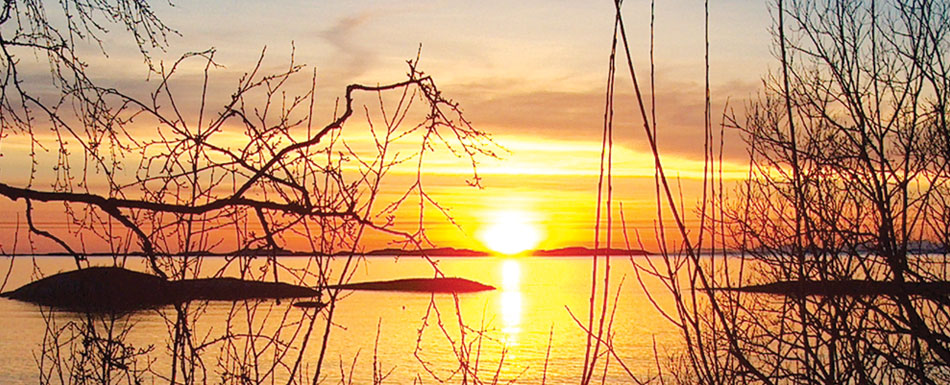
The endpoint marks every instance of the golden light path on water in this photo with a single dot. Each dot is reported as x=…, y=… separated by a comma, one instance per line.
x=511, y=301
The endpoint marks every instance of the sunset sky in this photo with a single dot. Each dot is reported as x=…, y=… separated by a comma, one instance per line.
x=530, y=73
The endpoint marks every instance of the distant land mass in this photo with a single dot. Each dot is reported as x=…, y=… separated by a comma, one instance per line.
x=562, y=252
x=436, y=252
x=393, y=252
x=587, y=252
x=847, y=288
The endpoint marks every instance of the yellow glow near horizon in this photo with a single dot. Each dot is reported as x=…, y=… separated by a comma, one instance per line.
x=511, y=233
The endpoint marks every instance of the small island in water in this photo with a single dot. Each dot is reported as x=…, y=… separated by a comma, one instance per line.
x=119, y=289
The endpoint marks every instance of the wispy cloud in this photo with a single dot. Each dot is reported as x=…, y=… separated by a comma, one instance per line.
x=347, y=37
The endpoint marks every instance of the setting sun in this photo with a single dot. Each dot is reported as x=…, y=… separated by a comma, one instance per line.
x=511, y=232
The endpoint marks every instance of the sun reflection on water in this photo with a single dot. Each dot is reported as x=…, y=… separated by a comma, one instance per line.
x=511, y=301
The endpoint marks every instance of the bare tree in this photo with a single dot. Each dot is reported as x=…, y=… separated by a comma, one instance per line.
x=847, y=185
x=177, y=175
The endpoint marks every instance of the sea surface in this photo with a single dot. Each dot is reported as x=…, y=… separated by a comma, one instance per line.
x=523, y=332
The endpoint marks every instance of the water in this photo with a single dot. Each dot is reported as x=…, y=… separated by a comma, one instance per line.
x=532, y=306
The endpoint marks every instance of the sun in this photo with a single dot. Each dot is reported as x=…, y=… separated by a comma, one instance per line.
x=511, y=232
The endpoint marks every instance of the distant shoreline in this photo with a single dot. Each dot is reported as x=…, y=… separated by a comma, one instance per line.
x=448, y=252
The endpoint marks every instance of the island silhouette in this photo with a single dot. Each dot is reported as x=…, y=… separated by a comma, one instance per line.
x=118, y=289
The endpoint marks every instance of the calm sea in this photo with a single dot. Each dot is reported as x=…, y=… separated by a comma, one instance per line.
x=523, y=331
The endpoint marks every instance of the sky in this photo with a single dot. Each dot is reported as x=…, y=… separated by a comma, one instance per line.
x=530, y=73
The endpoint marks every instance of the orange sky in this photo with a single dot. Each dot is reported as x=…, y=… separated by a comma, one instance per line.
x=532, y=74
